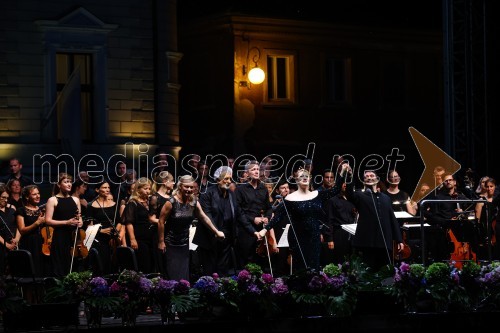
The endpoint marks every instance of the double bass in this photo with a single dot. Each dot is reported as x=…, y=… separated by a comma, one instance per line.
x=462, y=250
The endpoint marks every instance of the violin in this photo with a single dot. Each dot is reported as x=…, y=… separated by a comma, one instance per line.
x=79, y=250
x=47, y=232
x=265, y=246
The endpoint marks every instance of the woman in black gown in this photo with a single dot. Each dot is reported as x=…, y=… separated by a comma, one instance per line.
x=105, y=212
x=303, y=209
x=176, y=217
x=63, y=213
x=30, y=219
x=9, y=236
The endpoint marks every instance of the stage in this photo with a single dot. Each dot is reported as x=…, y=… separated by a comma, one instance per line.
x=373, y=315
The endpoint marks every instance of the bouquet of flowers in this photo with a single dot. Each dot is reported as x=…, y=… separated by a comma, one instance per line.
x=250, y=293
x=96, y=293
x=326, y=291
x=172, y=296
x=71, y=289
x=409, y=283
x=489, y=280
x=260, y=291
x=133, y=290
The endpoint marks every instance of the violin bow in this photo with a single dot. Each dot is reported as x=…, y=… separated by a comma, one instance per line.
x=74, y=246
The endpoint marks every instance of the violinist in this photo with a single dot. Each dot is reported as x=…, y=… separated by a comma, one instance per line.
x=253, y=198
x=9, y=235
x=105, y=212
x=63, y=213
x=443, y=216
x=30, y=220
x=216, y=255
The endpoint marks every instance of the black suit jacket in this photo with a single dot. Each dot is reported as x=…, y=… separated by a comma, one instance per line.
x=371, y=221
x=210, y=203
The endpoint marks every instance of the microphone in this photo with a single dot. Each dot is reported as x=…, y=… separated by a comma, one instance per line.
x=278, y=196
x=367, y=190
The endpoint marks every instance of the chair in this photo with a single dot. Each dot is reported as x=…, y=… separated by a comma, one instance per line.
x=126, y=259
x=95, y=263
x=22, y=272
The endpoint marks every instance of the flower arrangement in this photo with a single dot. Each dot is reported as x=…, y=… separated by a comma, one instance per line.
x=489, y=281
x=96, y=293
x=133, y=290
x=71, y=289
x=440, y=285
x=260, y=293
x=172, y=296
x=329, y=289
x=250, y=293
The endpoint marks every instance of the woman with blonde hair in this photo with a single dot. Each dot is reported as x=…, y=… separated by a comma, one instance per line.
x=136, y=218
x=176, y=217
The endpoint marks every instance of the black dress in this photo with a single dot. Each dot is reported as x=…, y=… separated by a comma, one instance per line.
x=177, y=239
x=103, y=216
x=7, y=230
x=33, y=240
x=62, y=241
x=307, y=217
x=138, y=215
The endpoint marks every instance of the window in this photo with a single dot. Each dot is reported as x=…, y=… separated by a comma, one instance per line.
x=280, y=78
x=66, y=64
x=338, y=80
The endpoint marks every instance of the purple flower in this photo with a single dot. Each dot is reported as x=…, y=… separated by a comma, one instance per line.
x=267, y=278
x=253, y=289
x=207, y=285
x=244, y=276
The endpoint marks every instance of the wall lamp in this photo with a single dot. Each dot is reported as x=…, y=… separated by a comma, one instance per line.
x=256, y=75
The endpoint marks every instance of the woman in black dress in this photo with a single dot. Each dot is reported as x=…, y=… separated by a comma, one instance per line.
x=176, y=217
x=105, y=212
x=304, y=211
x=9, y=236
x=30, y=219
x=136, y=218
x=63, y=213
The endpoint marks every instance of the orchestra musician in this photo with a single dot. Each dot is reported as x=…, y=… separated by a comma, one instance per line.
x=63, y=213
x=443, y=216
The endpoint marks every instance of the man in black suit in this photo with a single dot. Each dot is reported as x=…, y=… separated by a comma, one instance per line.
x=377, y=226
x=220, y=205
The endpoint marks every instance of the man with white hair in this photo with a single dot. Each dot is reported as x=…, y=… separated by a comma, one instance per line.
x=220, y=205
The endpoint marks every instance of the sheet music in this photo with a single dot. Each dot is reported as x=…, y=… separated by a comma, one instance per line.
x=415, y=225
x=192, y=246
x=403, y=215
x=350, y=228
x=90, y=234
x=283, y=242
